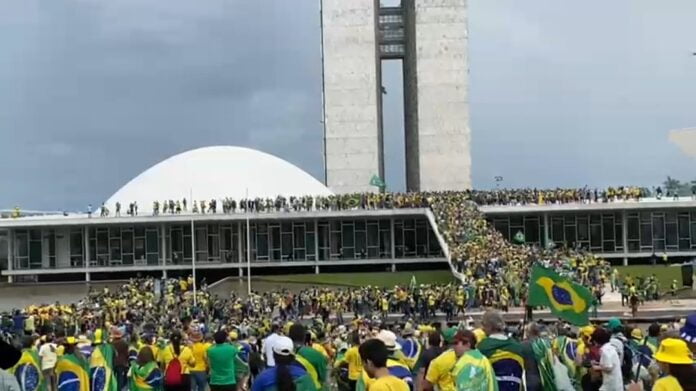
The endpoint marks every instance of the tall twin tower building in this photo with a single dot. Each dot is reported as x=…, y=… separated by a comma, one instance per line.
x=430, y=38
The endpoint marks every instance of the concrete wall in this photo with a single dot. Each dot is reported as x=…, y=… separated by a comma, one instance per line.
x=444, y=137
x=63, y=247
x=352, y=94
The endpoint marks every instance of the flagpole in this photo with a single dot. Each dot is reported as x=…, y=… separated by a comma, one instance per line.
x=193, y=251
x=248, y=245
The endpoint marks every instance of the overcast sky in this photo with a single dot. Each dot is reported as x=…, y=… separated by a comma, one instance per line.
x=93, y=92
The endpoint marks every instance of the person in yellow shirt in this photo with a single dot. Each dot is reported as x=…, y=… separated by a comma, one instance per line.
x=200, y=369
x=186, y=360
x=440, y=370
x=352, y=357
x=374, y=355
x=676, y=362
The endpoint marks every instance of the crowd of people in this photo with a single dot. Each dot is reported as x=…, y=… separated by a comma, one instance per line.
x=146, y=336
x=390, y=200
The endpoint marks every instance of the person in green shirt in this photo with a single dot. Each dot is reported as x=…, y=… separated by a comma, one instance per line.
x=223, y=376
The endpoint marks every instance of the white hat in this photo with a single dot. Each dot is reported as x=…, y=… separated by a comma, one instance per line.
x=283, y=346
x=389, y=339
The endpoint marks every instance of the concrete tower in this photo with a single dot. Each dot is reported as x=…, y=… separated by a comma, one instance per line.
x=430, y=38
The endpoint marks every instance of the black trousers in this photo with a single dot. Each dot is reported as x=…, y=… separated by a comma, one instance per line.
x=225, y=387
x=184, y=386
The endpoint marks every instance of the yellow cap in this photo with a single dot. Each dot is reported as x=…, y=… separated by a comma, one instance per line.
x=233, y=335
x=674, y=351
x=70, y=340
x=587, y=331
x=637, y=333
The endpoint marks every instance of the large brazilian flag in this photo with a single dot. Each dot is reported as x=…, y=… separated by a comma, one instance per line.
x=101, y=369
x=72, y=374
x=146, y=377
x=566, y=299
x=28, y=371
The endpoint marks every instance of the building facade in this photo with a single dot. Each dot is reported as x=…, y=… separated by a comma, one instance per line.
x=624, y=233
x=430, y=38
x=37, y=247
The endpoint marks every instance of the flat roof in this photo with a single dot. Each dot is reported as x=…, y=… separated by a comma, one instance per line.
x=95, y=220
x=651, y=203
x=82, y=220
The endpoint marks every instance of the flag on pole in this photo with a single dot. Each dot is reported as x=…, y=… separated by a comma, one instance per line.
x=519, y=238
x=377, y=181
x=412, y=285
x=566, y=299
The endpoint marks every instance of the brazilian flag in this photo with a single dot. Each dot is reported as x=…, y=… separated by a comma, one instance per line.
x=353, y=200
x=567, y=300
x=72, y=374
x=101, y=369
x=28, y=372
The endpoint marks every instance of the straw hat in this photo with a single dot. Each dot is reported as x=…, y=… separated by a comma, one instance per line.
x=674, y=351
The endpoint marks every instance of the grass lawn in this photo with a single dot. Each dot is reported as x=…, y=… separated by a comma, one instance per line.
x=362, y=279
x=665, y=275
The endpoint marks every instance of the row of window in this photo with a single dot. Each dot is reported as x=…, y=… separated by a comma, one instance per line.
x=652, y=231
x=225, y=243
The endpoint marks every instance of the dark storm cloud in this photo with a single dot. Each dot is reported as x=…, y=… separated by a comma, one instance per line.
x=93, y=92
x=96, y=92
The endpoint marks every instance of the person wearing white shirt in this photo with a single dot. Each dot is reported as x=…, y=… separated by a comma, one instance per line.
x=268, y=345
x=49, y=357
x=609, y=363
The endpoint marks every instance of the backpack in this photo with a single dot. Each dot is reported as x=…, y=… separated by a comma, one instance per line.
x=172, y=375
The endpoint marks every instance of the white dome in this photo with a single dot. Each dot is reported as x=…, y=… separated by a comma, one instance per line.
x=216, y=173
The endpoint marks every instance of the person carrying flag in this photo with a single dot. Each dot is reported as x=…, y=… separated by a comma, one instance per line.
x=145, y=374
x=284, y=375
x=461, y=366
x=473, y=371
x=28, y=368
x=311, y=360
x=503, y=352
x=244, y=350
x=410, y=346
x=374, y=355
x=101, y=365
x=395, y=364
x=72, y=371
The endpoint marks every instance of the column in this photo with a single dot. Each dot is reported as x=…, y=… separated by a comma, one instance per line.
x=624, y=238
x=85, y=243
x=391, y=233
x=316, y=241
x=316, y=269
x=240, y=245
x=163, y=244
x=164, y=274
x=10, y=253
x=546, y=230
x=393, y=267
